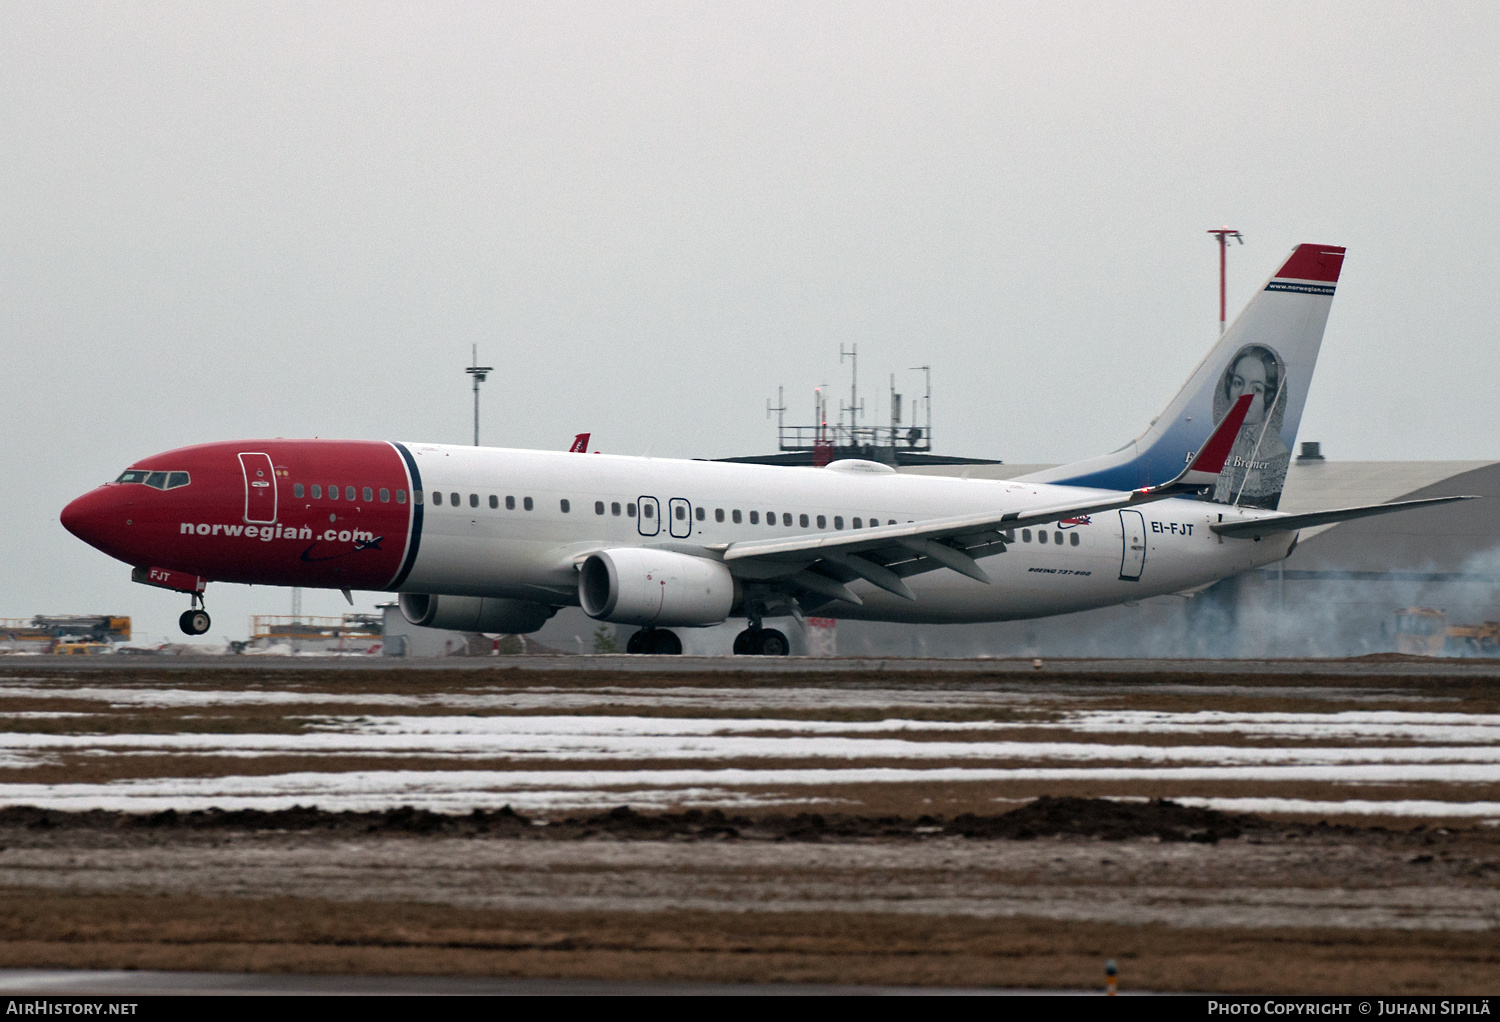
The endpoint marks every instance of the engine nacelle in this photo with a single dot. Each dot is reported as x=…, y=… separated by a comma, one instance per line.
x=475, y=613
x=647, y=586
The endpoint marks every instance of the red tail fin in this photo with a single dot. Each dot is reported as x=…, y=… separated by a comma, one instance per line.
x=580, y=444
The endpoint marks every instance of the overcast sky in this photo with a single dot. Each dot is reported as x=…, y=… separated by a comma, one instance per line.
x=246, y=220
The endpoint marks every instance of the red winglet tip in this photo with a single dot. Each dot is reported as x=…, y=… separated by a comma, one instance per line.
x=1211, y=459
x=1314, y=262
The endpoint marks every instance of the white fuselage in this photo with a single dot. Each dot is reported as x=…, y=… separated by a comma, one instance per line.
x=472, y=548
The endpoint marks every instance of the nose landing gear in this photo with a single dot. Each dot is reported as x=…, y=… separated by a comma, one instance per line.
x=195, y=621
x=755, y=641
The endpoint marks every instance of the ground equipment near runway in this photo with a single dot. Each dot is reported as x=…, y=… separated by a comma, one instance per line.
x=1423, y=631
x=88, y=633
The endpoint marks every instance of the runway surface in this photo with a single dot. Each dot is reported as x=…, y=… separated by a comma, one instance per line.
x=833, y=823
x=548, y=735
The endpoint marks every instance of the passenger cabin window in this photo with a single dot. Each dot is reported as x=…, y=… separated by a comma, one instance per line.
x=599, y=507
x=629, y=510
x=1041, y=535
x=385, y=495
x=566, y=507
x=838, y=521
x=473, y=500
x=1057, y=538
x=822, y=522
x=786, y=518
x=701, y=515
x=718, y=514
x=754, y=517
x=856, y=523
x=1072, y=539
x=737, y=516
x=526, y=503
x=1025, y=535
x=437, y=496
x=681, y=513
x=369, y=494
x=802, y=520
x=648, y=510
x=416, y=497
x=614, y=508
x=510, y=503
x=348, y=493
x=494, y=502
x=333, y=493
x=317, y=492
x=401, y=497
x=297, y=490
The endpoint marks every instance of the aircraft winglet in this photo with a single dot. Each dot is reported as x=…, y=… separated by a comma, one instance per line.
x=1205, y=467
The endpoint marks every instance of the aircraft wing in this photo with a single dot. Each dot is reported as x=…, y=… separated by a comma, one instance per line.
x=824, y=563
x=1258, y=527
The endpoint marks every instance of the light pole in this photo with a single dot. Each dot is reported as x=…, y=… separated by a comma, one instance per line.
x=479, y=373
x=1224, y=234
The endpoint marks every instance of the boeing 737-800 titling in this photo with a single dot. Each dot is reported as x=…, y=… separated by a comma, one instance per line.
x=496, y=540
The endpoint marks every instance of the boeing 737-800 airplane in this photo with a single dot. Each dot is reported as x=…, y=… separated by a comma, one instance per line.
x=495, y=540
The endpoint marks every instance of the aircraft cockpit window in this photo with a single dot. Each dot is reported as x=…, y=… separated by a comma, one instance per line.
x=132, y=475
x=176, y=479
x=157, y=480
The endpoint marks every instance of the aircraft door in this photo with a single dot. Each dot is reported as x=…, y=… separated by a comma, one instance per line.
x=1133, y=533
x=649, y=519
x=681, y=522
x=260, y=488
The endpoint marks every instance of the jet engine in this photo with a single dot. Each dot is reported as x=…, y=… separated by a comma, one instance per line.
x=646, y=586
x=475, y=613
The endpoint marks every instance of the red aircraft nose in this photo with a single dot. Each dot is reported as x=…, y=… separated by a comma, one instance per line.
x=97, y=517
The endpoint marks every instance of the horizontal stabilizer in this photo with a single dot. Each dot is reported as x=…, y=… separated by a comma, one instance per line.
x=1205, y=467
x=1258, y=527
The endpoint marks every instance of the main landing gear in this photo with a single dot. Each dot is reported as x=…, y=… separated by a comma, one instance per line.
x=195, y=621
x=755, y=641
x=654, y=640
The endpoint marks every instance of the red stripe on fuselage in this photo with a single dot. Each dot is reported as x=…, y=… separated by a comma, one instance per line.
x=318, y=542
